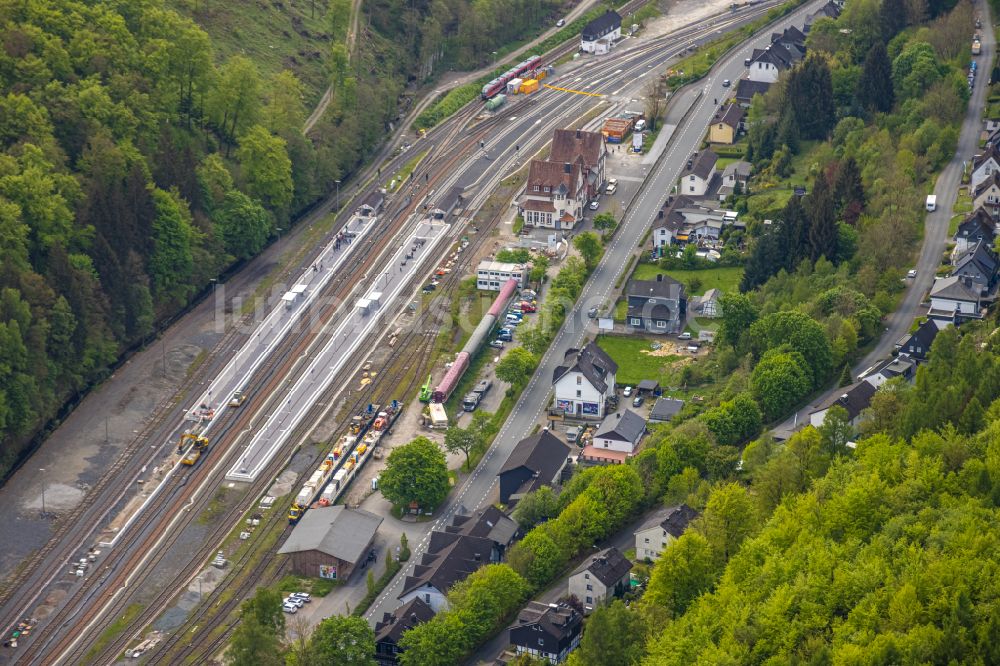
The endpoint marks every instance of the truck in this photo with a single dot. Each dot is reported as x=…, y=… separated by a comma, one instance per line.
x=976, y=47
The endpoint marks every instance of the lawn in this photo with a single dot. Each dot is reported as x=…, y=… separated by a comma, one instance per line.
x=963, y=203
x=635, y=359
x=953, y=224
x=724, y=278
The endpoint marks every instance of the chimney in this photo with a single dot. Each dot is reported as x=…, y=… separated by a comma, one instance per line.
x=579, y=134
x=478, y=557
x=413, y=618
x=659, y=277
x=567, y=168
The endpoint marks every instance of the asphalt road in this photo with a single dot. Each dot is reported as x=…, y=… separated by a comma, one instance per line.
x=478, y=488
x=935, y=231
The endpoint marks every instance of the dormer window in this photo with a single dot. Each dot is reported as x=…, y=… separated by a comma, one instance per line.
x=548, y=189
x=536, y=188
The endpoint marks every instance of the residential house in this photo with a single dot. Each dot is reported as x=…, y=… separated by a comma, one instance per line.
x=991, y=137
x=600, y=578
x=656, y=306
x=855, y=399
x=569, y=146
x=546, y=631
x=979, y=265
x=708, y=304
x=735, y=173
x=697, y=175
x=493, y=275
x=600, y=35
x=726, y=124
x=987, y=195
x=985, y=165
x=956, y=295
x=555, y=194
x=791, y=38
x=391, y=628
x=917, y=345
x=662, y=529
x=330, y=542
x=670, y=221
x=746, y=89
x=490, y=523
x=890, y=368
x=536, y=461
x=665, y=409
x=584, y=382
x=830, y=10
x=767, y=64
x=620, y=432
x=977, y=227
x=449, y=558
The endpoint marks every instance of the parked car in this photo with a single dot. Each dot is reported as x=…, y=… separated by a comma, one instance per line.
x=627, y=392
x=594, y=205
x=505, y=334
x=527, y=307
x=560, y=23
x=304, y=596
x=612, y=186
x=294, y=601
x=497, y=344
x=289, y=608
x=592, y=312
x=686, y=335
x=637, y=402
x=912, y=273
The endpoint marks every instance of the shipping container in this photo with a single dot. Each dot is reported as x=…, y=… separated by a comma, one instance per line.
x=529, y=86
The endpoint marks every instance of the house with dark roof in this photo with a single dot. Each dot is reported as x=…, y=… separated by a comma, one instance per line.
x=854, y=398
x=726, y=124
x=620, y=432
x=747, y=88
x=986, y=195
x=979, y=226
x=490, y=523
x=698, y=173
x=665, y=409
x=656, y=306
x=917, y=345
x=329, y=542
x=546, y=631
x=830, y=10
x=955, y=296
x=670, y=221
x=390, y=629
x=600, y=35
x=979, y=265
x=791, y=38
x=890, y=368
x=985, y=165
x=449, y=558
x=767, y=64
x=536, y=461
x=584, y=382
x=569, y=146
x=600, y=578
x=662, y=529
x=554, y=195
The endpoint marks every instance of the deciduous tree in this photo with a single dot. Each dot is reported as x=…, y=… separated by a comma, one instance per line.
x=588, y=244
x=415, y=473
x=344, y=640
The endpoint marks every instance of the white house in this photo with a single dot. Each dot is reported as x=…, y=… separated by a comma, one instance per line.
x=985, y=165
x=698, y=174
x=555, y=194
x=661, y=530
x=620, y=432
x=600, y=578
x=600, y=35
x=987, y=195
x=584, y=382
x=492, y=275
x=767, y=64
x=957, y=295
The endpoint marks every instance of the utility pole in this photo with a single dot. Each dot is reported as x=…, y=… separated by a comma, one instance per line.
x=494, y=60
x=338, y=194
x=42, y=472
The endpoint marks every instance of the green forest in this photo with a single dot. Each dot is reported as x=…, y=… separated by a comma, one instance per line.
x=140, y=162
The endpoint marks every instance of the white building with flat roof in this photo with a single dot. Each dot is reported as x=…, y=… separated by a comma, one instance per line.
x=492, y=275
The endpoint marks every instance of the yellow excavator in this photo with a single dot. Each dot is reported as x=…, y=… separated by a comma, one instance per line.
x=199, y=446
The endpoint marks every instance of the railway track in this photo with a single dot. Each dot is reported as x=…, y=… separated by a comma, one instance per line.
x=274, y=370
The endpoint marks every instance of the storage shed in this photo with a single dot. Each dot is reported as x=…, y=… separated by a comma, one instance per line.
x=330, y=542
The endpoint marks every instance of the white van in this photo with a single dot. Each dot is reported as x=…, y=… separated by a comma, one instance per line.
x=931, y=202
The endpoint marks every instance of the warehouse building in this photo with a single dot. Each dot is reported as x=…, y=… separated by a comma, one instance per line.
x=331, y=542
